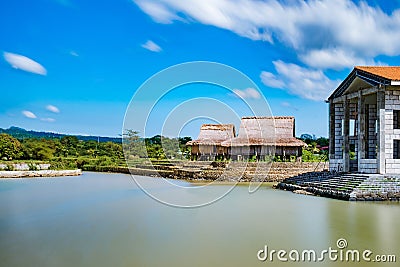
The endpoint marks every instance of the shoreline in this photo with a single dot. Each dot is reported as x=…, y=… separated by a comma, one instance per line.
x=40, y=173
x=204, y=172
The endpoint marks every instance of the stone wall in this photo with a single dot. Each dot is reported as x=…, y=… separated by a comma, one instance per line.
x=336, y=165
x=339, y=116
x=223, y=171
x=42, y=173
x=368, y=166
x=249, y=171
x=371, y=133
x=392, y=102
x=25, y=166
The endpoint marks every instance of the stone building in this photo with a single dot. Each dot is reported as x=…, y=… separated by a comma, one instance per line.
x=208, y=144
x=364, y=122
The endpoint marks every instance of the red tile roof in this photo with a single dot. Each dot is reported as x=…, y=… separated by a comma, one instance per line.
x=391, y=73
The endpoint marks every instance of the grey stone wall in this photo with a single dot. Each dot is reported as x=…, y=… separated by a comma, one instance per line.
x=339, y=116
x=392, y=102
x=371, y=133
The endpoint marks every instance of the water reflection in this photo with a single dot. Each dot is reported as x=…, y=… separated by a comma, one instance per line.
x=105, y=220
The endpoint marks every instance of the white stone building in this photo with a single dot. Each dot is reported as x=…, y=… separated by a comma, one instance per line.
x=364, y=122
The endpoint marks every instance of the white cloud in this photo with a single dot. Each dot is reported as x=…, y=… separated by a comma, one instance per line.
x=48, y=119
x=74, y=53
x=24, y=63
x=152, y=46
x=270, y=79
x=341, y=32
x=53, y=109
x=304, y=82
x=249, y=93
x=157, y=11
x=335, y=59
x=29, y=114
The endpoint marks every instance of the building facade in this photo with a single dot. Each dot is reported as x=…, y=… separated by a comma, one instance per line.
x=364, y=122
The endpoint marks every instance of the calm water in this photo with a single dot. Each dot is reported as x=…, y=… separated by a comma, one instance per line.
x=106, y=220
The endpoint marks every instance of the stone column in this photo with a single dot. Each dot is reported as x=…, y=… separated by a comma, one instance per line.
x=331, y=129
x=346, y=143
x=361, y=129
x=380, y=99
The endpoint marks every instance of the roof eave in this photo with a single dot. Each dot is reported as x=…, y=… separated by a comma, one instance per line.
x=369, y=78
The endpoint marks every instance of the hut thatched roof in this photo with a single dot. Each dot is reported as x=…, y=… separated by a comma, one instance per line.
x=214, y=134
x=267, y=131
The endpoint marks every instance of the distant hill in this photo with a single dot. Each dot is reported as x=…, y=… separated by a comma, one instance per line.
x=21, y=133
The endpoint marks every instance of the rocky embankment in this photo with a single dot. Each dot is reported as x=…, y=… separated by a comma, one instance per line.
x=221, y=171
x=40, y=173
x=345, y=186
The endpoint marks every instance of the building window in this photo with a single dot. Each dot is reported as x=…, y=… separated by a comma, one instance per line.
x=352, y=127
x=396, y=149
x=396, y=119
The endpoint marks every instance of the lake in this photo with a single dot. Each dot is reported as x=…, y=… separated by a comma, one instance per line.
x=101, y=219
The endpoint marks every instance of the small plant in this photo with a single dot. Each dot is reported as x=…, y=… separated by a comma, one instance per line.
x=253, y=159
x=32, y=166
x=9, y=167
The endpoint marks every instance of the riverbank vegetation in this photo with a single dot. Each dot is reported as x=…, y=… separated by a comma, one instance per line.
x=69, y=152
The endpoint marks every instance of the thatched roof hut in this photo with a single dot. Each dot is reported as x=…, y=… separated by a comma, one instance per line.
x=213, y=134
x=266, y=131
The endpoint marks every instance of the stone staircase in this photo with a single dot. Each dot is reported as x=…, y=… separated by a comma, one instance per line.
x=327, y=184
x=346, y=186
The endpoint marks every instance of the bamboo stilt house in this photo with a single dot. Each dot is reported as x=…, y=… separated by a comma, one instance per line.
x=260, y=137
x=208, y=144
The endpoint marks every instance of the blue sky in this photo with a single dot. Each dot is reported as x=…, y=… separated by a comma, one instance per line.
x=73, y=66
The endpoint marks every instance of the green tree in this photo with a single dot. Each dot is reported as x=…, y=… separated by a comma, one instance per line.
x=155, y=151
x=10, y=147
x=322, y=141
x=133, y=145
x=90, y=148
x=110, y=149
x=39, y=149
x=170, y=147
x=69, y=146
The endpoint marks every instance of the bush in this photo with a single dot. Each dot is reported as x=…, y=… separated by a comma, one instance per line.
x=63, y=164
x=308, y=156
x=32, y=166
x=9, y=167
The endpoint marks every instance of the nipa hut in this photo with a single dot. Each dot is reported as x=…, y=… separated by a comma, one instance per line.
x=260, y=137
x=208, y=144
